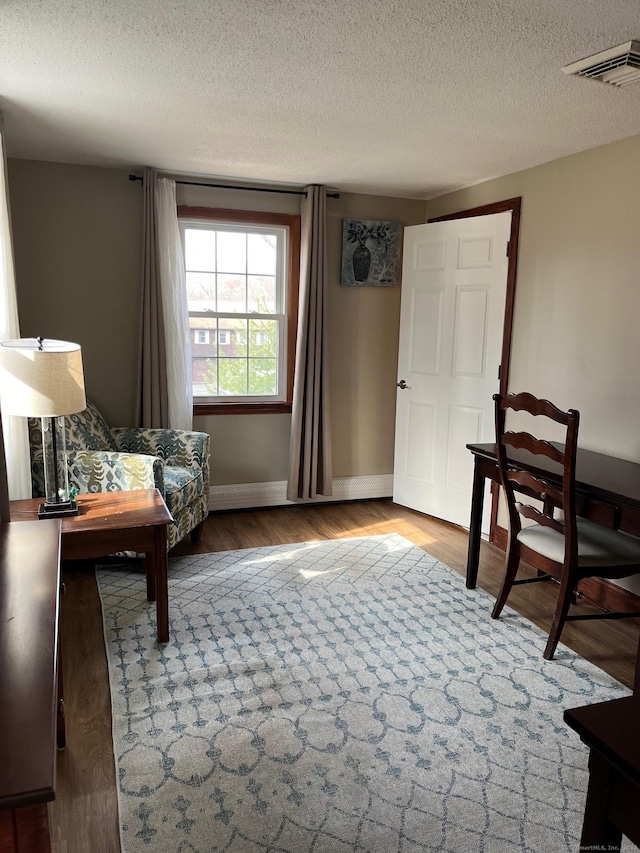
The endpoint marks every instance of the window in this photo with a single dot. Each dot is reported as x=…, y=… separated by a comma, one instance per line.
x=242, y=292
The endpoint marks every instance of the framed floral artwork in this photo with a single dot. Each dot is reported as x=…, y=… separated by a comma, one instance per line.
x=370, y=252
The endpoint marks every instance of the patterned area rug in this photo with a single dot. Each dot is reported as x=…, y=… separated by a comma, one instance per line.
x=337, y=696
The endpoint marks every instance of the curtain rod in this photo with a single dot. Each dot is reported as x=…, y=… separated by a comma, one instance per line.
x=233, y=187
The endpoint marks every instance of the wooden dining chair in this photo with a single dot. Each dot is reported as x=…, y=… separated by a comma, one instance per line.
x=564, y=546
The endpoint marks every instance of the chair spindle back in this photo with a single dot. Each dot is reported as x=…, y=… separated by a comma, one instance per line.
x=518, y=483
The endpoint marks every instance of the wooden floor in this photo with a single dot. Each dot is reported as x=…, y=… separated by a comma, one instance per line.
x=84, y=815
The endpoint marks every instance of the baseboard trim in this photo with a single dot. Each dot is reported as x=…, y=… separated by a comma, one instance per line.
x=597, y=591
x=274, y=493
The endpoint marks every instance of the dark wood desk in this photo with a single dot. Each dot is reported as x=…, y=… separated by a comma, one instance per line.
x=29, y=671
x=607, y=491
x=118, y=521
x=610, y=730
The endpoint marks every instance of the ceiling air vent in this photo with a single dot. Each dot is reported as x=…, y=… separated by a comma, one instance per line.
x=618, y=66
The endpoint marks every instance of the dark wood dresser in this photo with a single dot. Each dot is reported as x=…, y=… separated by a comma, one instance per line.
x=30, y=723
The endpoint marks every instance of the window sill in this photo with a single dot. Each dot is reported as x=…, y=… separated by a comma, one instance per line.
x=241, y=408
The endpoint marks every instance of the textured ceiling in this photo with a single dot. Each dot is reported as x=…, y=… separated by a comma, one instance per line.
x=397, y=97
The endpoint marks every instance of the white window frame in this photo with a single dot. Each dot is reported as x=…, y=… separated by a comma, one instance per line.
x=281, y=232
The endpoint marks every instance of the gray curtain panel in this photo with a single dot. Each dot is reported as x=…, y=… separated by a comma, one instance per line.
x=310, y=472
x=152, y=377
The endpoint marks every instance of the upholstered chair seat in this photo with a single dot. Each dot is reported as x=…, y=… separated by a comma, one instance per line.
x=103, y=459
x=597, y=545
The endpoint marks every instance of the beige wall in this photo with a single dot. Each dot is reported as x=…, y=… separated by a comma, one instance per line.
x=575, y=337
x=77, y=236
x=77, y=233
x=77, y=245
x=363, y=334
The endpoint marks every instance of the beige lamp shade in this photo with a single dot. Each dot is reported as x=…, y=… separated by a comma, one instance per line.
x=41, y=378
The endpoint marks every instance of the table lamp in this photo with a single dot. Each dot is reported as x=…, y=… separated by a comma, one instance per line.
x=43, y=378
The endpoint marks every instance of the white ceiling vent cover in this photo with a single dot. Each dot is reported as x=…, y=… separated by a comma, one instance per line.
x=618, y=66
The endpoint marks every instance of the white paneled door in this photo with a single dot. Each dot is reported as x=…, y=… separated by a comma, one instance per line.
x=454, y=284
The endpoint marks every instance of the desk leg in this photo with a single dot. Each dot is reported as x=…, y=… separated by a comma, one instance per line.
x=598, y=833
x=475, y=525
x=162, y=601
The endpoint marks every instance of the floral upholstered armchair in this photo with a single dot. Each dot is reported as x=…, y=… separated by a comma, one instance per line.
x=104, y=459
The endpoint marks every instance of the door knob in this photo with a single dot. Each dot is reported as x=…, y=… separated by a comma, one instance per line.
x=402, y=385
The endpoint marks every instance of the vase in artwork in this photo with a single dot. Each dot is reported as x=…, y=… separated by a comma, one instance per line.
x=361, y=260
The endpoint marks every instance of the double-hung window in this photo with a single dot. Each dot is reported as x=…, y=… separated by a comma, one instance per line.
x=242, y=289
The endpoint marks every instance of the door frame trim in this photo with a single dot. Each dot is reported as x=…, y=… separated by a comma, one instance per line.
x=514, y=205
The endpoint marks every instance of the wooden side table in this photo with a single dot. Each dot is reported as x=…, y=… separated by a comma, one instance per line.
x=30, y=682
x=109, y=522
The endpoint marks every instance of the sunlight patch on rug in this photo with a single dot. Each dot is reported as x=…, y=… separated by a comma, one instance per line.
x=337, y=696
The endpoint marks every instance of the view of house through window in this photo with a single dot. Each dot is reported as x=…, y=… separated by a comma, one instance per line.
x=236, y=277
